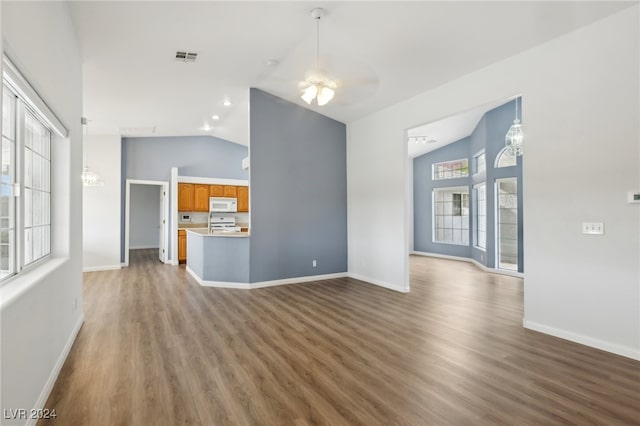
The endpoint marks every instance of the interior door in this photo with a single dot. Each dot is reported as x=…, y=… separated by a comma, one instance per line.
x=161, y=245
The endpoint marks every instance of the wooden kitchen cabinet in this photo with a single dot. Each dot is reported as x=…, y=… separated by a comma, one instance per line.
x=185, y=197
x=216, y=190
x=182, y=246
x=243, y=198
x=200, y=198
x=230, y=191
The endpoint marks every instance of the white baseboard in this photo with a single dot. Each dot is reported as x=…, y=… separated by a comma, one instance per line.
x=101, y=268
x=46, y=391
x=220, y=284
x=469, y=260
x=583, y=340
x=377, y=282
x=298, y=280
x=144, y=247
x=262, y=284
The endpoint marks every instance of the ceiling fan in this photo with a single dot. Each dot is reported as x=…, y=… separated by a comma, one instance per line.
x=338, y=76
x=317, y=84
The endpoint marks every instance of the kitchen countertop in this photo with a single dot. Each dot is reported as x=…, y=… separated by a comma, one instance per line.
x=205, y=233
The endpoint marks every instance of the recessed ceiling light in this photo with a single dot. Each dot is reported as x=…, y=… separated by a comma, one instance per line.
x=271, y=62
x=215, y=117
x=226, y=102
x=206, y=127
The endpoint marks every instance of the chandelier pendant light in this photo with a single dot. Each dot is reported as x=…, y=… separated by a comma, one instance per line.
x=88, y=177
x=316, y=85
x=515, y=137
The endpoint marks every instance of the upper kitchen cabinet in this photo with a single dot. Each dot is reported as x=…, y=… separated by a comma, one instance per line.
x=243, y=198
x=200, y=198
x=185, y=197
x=230, y=191
x=216, y=190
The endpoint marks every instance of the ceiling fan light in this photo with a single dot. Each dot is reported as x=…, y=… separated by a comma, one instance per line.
x=309, y=93
x=325, y=95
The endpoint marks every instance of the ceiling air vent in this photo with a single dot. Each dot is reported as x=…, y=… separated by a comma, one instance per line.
x=184, y=56
x=137, y=131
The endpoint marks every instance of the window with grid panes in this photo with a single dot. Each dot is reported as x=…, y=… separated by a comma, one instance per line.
x=450, y=169
x=25, y=193
x=451, y=215
x=480, y=233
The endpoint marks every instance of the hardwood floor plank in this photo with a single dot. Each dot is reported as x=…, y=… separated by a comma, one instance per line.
x=158, y=349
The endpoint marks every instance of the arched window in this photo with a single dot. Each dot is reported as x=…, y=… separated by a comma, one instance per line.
x=506, y=158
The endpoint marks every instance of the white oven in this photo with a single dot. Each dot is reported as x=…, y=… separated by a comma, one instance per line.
x=223, y=205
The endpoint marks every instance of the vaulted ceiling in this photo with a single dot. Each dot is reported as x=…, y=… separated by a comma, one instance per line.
x=379, y=52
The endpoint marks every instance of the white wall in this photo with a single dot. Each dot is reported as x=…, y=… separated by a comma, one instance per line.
x=581, y=117
x=41, y=310
x=101, y=205
x=144, y=216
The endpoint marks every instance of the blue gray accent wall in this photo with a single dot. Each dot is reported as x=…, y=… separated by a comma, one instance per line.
x=151, y=158
x=227, y=258
x=488, y=135
x=298, y=191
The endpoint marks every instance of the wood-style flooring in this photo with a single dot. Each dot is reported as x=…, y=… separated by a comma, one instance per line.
x=158, y=349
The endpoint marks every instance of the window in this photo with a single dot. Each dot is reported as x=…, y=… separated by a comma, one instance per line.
x=506, y=158
x=480, y=220
x=25, y=192
x=451, y=215
x=451, y=169
x=37, y=196
x=480, y=162
x=507, y=230
x=7, y=201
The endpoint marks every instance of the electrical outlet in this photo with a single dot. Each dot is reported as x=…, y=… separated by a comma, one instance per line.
x=593, y=228
x=314, y=263
x=482, y=257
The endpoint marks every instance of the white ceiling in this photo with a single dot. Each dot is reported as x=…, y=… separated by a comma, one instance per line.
x=450, y=129
x=380, y=53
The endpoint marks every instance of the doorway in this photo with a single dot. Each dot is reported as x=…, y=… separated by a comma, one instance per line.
x=146, y=217
x=465, y=190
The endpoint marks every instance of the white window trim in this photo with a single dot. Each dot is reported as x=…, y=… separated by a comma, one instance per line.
x=475, y=243
x=433, y=170
x=433, y=216
x=497, y=160
x=475, y=163
x=30, y=97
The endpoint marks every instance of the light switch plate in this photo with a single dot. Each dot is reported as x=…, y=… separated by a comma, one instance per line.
x=593, y=228
x=633, y=197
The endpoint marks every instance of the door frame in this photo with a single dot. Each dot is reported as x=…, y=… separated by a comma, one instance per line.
x=164, y=244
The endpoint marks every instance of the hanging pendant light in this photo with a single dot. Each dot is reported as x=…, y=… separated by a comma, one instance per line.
x=515, y=137
x=316, y=85
x=88, y=177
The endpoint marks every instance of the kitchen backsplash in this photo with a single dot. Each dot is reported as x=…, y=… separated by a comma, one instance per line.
x=200, y=217
x=196, y=217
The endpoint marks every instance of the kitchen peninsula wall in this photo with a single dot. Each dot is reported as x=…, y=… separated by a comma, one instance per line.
x=151, y=158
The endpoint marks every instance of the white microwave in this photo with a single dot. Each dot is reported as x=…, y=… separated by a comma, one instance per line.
x=219, y=204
